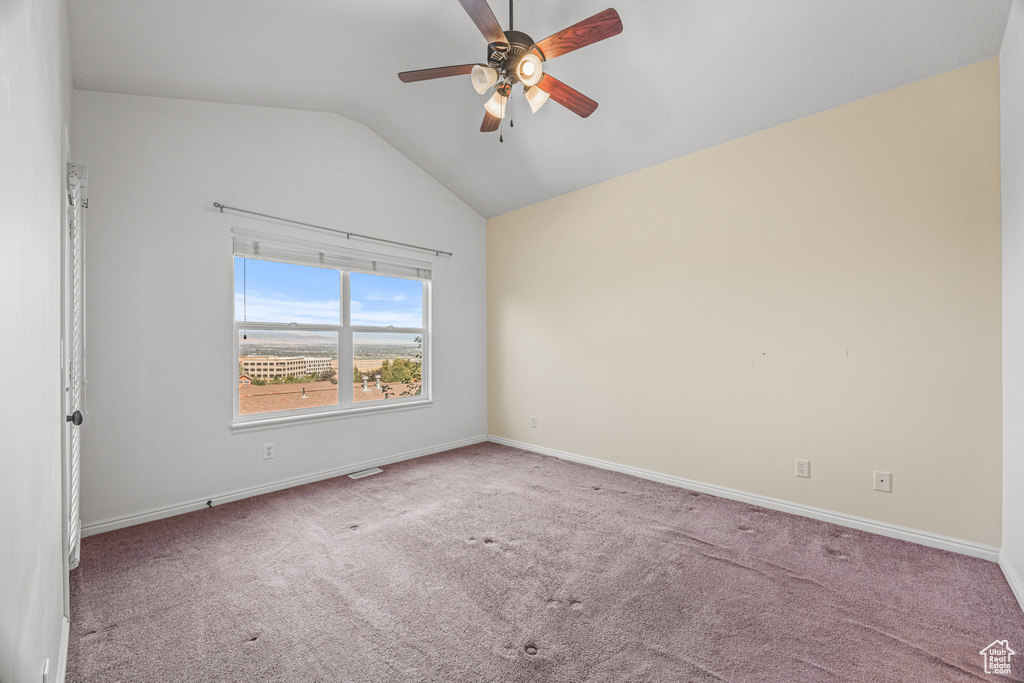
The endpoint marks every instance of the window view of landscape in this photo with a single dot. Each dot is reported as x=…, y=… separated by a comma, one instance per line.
x=386, y=366
x=281, y=370
x=285, y=370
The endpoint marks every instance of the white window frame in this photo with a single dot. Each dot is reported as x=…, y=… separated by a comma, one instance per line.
x=346, y=406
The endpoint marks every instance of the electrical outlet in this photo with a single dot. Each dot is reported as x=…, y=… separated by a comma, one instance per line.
x=268, y=451
x=533, y=420
x=883, y=481
x=803, y=468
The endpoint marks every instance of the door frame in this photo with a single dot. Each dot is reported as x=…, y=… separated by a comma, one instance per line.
x=65, y=384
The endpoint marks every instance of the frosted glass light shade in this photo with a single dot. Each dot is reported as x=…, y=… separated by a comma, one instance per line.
x=496, y=105
x=529, y=70
x=536, y=97
x=483, y=78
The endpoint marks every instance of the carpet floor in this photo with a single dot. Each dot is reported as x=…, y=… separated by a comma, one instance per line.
x=488, y=563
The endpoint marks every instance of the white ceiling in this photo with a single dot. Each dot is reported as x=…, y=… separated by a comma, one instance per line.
x=684, y=74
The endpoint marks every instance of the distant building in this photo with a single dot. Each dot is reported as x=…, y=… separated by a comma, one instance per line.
x=314, y=366
x=272, y=367
x=244, y=379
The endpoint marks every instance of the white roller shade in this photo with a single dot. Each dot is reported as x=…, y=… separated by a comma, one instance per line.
x=269, y=247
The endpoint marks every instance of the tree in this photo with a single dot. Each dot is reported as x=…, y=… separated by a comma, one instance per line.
x=400, y=371
x=417, y=373
x=357, y=374
x=405, y=372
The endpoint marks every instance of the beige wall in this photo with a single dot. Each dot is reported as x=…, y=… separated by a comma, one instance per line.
x=827, y=289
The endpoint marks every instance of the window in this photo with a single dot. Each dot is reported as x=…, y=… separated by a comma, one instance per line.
x=320, y=334
x=387, y=337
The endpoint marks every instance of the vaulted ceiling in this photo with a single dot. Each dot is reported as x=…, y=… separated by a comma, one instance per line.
x=684, y=75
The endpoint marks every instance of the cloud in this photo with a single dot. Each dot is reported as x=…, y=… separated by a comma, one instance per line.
x=278, y=309
x=270, y=309
x=378, y=297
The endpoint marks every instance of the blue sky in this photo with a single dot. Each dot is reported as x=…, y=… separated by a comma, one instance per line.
x=281, y=292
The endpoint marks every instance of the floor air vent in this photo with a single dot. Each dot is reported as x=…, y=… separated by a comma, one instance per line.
x=365, y=473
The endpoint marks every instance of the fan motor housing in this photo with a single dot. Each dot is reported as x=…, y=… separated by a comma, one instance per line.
x=505, y=60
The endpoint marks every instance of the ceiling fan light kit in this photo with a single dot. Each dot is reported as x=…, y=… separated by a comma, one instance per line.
x=529, y=69
x=536, y=98
x=514, y=57
x=483, y=78
x=496, y=105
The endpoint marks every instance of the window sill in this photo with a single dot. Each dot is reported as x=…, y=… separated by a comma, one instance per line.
x=290, y=420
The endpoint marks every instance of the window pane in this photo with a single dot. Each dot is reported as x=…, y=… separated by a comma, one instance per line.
x=386, y=365
x=286, y=370
x=379, y=301
x=272, y=292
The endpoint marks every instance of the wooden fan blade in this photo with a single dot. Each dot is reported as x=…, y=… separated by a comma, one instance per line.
x=480, y=12
x=570, y=98
x=490, y=123
x=598, y=27
x=437, y=72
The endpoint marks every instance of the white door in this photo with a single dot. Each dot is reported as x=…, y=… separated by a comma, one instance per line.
x=74, y=350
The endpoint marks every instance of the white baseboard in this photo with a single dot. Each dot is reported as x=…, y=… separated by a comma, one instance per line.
x=956, y=545
x=1012, y=578
x=101, y=526
x=62, y=660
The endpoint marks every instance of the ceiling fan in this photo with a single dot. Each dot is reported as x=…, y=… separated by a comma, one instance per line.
x=513, y=57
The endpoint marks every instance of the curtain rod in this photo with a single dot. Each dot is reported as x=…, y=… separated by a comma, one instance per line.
x=348, y=235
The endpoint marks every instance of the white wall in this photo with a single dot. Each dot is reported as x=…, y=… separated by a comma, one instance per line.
x=160, y=286
x=1011, y=84
x=35, y=100
x=827, y=289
